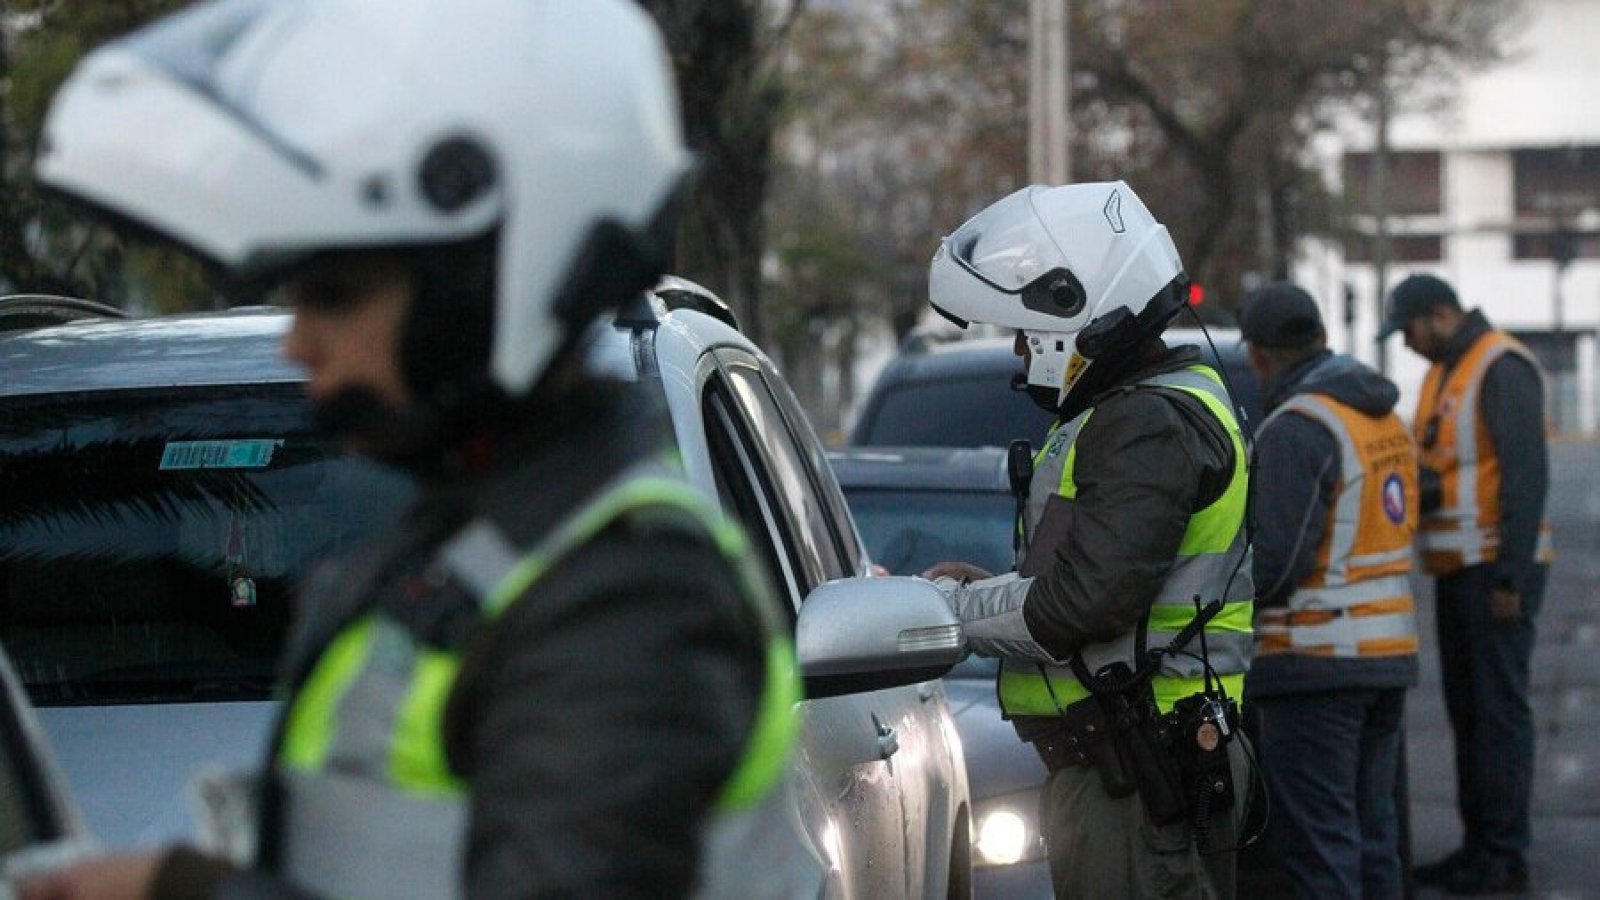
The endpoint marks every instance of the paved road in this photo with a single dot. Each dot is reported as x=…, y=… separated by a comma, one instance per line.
x=1565, y=858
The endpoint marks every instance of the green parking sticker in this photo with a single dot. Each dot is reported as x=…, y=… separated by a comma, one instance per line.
x=242, y=454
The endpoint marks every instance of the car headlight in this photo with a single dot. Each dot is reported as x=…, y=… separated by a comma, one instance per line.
x=1007, y=830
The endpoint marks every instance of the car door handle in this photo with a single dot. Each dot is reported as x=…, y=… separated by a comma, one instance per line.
x=888, y=742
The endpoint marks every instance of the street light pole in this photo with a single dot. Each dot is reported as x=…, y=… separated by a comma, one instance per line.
x=1380, y=204
x=1049, y=150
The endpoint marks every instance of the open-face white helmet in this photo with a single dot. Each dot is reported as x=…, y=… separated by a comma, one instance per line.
x=263, y=133
x=1082, y=270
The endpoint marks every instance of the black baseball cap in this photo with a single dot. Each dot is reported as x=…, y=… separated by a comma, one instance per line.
x=1413, y=298
x=1280, y=315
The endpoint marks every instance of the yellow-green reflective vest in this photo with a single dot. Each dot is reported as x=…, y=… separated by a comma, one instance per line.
x=394, y=823
x=1212, y=558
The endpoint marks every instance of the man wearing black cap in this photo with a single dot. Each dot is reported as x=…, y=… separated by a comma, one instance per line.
x=1485, y=469
x=1336, y=640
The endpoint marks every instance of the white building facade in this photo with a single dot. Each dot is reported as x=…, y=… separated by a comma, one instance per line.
x=1500, y=196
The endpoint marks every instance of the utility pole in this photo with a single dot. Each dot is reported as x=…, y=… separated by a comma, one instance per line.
x=1380, y=202
x=1049, y=159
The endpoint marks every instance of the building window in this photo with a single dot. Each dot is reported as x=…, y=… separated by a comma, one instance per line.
x=1556, y=184
x=1410, y=248
x=1559, y=245
x=1415, y=183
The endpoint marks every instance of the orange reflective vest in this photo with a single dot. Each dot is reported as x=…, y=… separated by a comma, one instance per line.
x=1465, y=529
x=1357, y=601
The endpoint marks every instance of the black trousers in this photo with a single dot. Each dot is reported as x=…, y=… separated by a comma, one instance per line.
x=1484, y=664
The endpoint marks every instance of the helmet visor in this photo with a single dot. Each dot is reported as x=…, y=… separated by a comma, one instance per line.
x=1007, y=245
x=1008, y=248
x=190, y=47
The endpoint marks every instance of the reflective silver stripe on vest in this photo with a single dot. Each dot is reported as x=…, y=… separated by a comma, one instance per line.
x=1388, y=557
x=349, y=837
x=1205, y=574
x=1464, y=534
x=769, y=831
x=1343, y=634
x=1347, y=596
x=1475, y=544
x=480, y=556
x=1347, y=507
x=1208, y=574
x=369, y=710
x=1048, y=465
x=1456, y=528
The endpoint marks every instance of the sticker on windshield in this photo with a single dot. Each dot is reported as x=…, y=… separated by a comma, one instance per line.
x=244, y=454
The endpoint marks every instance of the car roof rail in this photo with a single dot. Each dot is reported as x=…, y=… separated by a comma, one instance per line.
x=22, y=311
x=681, y=293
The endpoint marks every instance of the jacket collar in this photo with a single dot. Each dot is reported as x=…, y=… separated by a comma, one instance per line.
x=1286, y=383
x=1474, y=326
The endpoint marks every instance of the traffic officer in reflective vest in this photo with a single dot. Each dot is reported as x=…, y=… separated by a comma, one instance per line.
x=1336, y=642
x=557, y=676
x=1134, y=522
x=1483, y=536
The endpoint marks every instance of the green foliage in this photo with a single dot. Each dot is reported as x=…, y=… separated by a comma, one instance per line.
x=723, y=52
x=917, y=110
x=45, y=245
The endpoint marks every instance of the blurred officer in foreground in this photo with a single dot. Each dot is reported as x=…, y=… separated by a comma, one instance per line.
x=1483, y=536
x=546, y=681
x=1336, y=636
x=1134, y=522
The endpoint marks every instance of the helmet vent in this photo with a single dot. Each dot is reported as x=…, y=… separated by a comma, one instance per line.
x=456, y=172
x=375, y=191
x=1113, y=213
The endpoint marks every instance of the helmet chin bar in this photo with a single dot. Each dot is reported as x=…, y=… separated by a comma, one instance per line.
x=1054, y=365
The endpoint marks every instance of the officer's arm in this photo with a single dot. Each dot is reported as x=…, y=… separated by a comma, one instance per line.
x=1140, y=462
x=1512, y=406
x=602, y=721
x=1297, y=470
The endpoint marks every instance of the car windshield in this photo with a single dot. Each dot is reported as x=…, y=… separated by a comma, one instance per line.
x=916, y=414
x=909, y=530
x=149, y=541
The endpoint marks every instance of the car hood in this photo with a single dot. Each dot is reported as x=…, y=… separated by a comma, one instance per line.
x=128, y=767
x=998, y=762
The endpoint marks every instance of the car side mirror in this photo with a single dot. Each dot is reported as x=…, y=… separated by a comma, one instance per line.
x=869, y=633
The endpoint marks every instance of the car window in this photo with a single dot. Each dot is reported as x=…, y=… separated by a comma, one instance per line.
x=953, y=412
x=815, y=461
x=747, y=495
x=909, y=530
x=800, y=492
x=150, y=541
x=759, y=453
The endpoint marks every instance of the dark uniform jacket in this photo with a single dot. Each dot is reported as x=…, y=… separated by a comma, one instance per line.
x=1291, y=513
x=1146, y=461
x=597, y=719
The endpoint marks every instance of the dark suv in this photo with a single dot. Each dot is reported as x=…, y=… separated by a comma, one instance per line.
x=958, y=394
x=164, y=490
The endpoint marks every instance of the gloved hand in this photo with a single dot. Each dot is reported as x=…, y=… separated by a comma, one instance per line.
x=990, y=610
x=960, y=571
x=1505, y=604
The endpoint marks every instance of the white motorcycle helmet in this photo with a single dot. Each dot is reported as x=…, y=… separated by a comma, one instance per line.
x=1083, y=271
x=262, y=134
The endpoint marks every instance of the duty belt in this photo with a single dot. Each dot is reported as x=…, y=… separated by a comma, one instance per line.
x=1058, y=745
